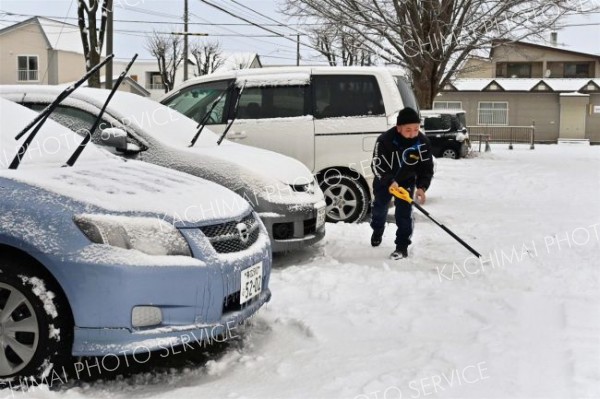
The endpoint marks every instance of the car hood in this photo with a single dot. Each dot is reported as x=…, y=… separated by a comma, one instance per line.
x=265, y=163
x=132, y=187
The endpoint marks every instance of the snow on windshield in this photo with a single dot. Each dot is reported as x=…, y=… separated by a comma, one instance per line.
x=52, y=145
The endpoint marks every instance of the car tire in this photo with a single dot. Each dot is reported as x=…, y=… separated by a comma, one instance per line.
x=36, y=331
x=450, y=153
x=346, y=197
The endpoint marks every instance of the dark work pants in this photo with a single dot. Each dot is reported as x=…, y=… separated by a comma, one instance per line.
x=404, y=221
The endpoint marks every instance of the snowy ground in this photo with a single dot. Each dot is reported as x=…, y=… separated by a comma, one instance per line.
x=345, y=322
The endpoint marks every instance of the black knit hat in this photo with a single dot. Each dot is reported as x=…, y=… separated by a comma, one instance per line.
x=408, y=115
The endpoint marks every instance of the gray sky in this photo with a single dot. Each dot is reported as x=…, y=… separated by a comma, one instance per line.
x=271, y=49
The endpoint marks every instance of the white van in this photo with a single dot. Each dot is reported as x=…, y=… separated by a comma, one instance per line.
x=326, y=117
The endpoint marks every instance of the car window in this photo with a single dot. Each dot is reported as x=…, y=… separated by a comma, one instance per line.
x=346, y=95
x=438, y=123
x=273, y=102
x=77, y=120
x=406, y=93
x=195, y=101
x=462, y=119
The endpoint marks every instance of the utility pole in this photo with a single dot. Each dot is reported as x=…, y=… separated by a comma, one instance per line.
x=185, y=40
x=109, y=45
x=297, y=50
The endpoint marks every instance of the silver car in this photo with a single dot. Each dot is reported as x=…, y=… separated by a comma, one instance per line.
x=281, y=190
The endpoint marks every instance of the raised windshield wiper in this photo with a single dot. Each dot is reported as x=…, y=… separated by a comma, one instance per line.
x=206, y=116
x=41, y=118
x=235, y=112
x=88, y=136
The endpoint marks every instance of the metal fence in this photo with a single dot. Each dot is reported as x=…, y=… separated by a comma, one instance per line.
x=503, y=134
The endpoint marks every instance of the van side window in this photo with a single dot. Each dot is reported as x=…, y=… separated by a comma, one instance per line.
x=346, y=95
x=195, y=101
x=273, y=102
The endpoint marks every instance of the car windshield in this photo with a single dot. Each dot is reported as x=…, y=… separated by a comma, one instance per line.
x=196, y=100
x=406, y=93
x=53, y=145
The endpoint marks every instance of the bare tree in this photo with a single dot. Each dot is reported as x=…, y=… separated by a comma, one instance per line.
x=168, y=51
x=324, y=40
x=340, y=45
x=431, y=39
x=208, y=56
x=242, y=61
x=92, y=38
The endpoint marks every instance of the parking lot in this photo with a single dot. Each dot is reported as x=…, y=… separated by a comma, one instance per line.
x=345, y=322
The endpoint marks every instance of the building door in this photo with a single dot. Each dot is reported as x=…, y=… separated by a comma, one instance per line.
x=573, y=107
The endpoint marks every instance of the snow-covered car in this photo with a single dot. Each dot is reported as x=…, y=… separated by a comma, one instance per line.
x=326, y=117
x=281, y=189
x=111, y=254
x=447, y=131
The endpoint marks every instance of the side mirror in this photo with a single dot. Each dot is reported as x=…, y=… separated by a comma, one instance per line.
x=116, y=138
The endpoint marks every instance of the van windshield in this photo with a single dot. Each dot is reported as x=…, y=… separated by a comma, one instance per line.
x=196, y=100
x=406, y=93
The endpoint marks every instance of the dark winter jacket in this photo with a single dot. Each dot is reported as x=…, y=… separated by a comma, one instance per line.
x=407, y=161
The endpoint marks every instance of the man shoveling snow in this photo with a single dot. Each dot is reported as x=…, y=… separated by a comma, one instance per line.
x=401, y=158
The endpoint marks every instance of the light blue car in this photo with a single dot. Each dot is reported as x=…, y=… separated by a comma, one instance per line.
x=116, y=257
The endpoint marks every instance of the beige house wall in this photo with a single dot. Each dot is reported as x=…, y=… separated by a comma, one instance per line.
x=476, y=68
x=25, y=40
x=523, y=109
x=518, y=53
x=71, y=66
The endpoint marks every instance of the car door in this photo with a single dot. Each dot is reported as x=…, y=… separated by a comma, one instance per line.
x=349, y=115
x=274, y=117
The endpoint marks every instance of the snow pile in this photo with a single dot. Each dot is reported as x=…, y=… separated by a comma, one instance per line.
x=346, y=322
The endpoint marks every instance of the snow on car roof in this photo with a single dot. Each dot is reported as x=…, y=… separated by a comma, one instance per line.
x=279, y=79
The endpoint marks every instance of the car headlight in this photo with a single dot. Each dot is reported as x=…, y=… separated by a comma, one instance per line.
x=151, y=236
x=304, y=188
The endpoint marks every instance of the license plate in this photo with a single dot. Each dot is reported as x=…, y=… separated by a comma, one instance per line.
x=321, y=217
x=251, y=283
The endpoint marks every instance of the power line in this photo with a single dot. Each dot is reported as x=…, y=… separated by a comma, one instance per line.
x=264, y=16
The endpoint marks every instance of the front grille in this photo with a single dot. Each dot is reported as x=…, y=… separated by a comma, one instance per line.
x=228, y=237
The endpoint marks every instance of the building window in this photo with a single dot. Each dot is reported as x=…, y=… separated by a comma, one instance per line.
x=27, y=66
x=447, y=105
x=577, y=70
x=513, y=70
x=155, y=81
x=492, y=113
